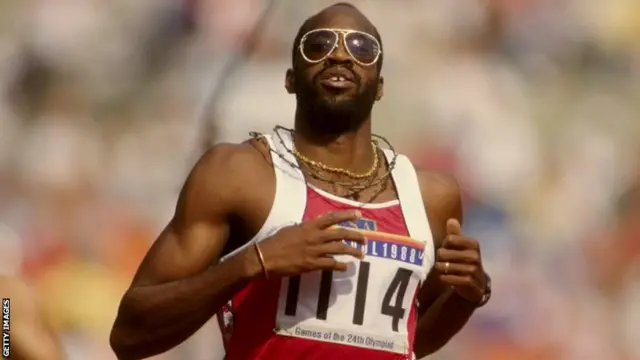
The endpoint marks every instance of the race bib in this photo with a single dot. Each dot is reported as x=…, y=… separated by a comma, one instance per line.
x=368, y=306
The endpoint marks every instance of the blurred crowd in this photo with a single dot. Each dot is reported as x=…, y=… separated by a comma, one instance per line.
x=530, y=103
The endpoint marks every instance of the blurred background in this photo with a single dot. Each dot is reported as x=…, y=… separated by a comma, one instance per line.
x=531, y=103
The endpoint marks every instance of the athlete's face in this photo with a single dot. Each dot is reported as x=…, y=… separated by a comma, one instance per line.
x=336, y=68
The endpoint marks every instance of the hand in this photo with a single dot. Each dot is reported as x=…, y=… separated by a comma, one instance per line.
x=311, y=245
x=459, y=264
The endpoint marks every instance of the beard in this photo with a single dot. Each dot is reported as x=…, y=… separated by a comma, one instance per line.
x=335, y=113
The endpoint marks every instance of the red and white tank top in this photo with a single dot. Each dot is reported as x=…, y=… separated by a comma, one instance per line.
x=368, y=312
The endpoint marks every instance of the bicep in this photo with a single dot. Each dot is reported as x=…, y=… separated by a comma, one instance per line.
x=443, y=201
x=182, y=252
x=195, y=237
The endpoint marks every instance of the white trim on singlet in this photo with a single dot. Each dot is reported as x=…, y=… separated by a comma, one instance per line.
x=353, y=203
x=290, y=198
x=411, y=202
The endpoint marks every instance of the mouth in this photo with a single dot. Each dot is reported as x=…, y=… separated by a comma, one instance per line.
x=337, y=79
x=337, y=82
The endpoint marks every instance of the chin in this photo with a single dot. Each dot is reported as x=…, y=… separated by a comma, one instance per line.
x=339, y=108
x=340, y=101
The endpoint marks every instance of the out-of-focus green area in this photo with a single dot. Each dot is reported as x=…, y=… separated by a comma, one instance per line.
x=533, y=104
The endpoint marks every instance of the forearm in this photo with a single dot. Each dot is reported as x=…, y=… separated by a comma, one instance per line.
x=440, y=322
x=154, y=319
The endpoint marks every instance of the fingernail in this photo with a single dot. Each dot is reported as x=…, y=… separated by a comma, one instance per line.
x=357, y=213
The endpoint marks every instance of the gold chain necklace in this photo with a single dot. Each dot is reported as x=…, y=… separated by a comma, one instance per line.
x=336, y=170
x=353, y=187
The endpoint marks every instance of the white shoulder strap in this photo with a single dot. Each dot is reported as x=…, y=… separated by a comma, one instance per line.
x=290, y=199
x=284, y=162
x=411, y=202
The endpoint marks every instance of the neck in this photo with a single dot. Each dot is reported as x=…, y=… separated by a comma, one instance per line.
x=349, y=150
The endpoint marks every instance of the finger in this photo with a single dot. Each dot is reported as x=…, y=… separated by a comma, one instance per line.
x=325, y=221
x=455, y=268
x=329, y=263
x=458, y=256
x=340, y=248
x=336, y=234
x=460, y=243
x=456, y=280
x=454, y=227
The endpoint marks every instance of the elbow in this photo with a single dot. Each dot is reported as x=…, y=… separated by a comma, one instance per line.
x=115, y=341
x=124, y=337
x=127, y=344
x=426, y=349
x=421, y=350
x=120, y=342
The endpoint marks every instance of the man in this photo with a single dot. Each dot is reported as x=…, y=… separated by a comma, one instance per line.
x=278, y=208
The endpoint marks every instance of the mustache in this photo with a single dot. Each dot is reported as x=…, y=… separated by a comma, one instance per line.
x=354, y=76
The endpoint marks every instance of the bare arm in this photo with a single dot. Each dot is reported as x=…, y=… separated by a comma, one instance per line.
x=176, y=289
x=31, y=337
x=442, y=313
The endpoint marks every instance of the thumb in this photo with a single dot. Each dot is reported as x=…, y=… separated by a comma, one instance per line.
x=454, y=227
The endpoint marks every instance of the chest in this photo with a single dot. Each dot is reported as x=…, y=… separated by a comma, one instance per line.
x=259, y=201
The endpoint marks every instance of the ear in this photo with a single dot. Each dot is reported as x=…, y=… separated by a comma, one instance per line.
x=380, y=90
x=289, y=81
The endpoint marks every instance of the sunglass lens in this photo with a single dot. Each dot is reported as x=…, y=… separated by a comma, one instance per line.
x=363, y=47
x=318, y=44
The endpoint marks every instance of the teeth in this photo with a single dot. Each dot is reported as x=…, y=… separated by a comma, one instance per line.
x=338, y=78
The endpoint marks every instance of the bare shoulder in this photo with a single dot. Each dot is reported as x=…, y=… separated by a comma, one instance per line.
x=222, y=171
x=442, y=199
x=228, y=160
x=439, y=190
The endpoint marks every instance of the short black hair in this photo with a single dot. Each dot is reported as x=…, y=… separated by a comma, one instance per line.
x=304, y=28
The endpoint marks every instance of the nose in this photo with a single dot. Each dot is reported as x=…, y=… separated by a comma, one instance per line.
x=340, y=53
